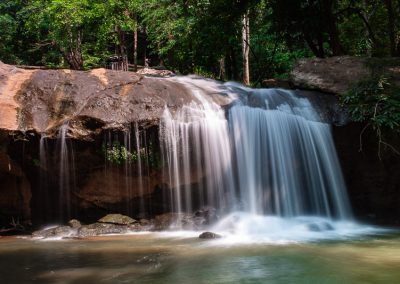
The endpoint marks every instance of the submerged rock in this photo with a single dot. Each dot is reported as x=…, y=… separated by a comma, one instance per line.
x=118, y=219
x=320, y=227
x=209, y=235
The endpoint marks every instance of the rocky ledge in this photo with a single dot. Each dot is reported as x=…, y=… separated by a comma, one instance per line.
x=121, y=224
x=43, y=100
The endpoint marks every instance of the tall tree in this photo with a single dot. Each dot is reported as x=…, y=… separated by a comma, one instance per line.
x=63, y=22
x=246, y=48
x=391, y=25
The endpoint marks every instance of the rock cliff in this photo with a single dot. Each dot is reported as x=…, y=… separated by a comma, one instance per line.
x=104, y=106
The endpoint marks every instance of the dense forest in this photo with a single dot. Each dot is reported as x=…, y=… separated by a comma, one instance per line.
x=224, y=39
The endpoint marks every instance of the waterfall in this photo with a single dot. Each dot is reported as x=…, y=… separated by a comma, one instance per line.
x=270, y=155
x=43, y=172
x=66, y=172
x=139, y=167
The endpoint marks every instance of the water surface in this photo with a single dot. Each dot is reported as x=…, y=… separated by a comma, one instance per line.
x=167, y=258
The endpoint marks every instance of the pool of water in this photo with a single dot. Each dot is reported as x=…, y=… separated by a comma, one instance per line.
x=183, y=258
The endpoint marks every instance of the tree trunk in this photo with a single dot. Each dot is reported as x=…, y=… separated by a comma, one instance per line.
x=73, y=54
x=333, y=31
x=135, y=45
x=246, y=49
x=234, y=65
x=369, y=33
x=391, y=27
x=222, y=72
x=123, y=58
x=311, y=44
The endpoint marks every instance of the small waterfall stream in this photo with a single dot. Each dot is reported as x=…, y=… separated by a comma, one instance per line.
x=270, y=155
x=67, y=183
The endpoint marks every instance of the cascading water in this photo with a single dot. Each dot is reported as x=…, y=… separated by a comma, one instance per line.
x=195, y=143
x=286, y=159
x=269, y=156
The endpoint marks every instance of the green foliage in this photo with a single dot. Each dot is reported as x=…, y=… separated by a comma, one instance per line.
x=36, y=162
x=117, y=154
x=195, y=36
x=376, y=102
x=202, y=71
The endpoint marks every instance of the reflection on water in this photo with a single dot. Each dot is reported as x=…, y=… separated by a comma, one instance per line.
x=155, y=258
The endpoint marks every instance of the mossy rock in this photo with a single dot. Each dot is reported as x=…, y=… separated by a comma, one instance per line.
x=118, y=219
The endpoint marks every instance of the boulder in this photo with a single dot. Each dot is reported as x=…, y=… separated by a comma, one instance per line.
x=276, y=83
x=75, y=224
x=117, y=219
x=337, y=75
x=97, y=229
x=334, y=75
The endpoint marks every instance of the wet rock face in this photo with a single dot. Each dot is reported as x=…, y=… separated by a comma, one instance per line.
x=372, y=182
x=15, y=189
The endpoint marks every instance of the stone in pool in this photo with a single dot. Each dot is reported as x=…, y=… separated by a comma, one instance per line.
x=209, y=235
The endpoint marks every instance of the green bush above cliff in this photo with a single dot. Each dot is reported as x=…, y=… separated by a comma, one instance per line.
x=376, y=102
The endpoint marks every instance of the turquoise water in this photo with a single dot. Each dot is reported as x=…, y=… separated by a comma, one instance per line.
x=165, y=258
